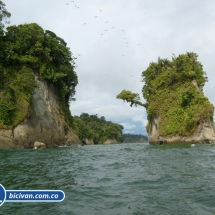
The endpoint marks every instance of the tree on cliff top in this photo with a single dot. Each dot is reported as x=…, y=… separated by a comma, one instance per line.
x=4, y=14
x=128, y=96
x=45, y=53
x=172, y=90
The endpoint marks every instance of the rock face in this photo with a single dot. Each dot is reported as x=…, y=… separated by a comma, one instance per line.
x=87, y=141
x=39, y=145
x=110, y=141
x=205, y=133
x=46, y=123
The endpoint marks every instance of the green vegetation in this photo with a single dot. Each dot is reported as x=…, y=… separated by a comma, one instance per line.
x=128, y=96
x=172, y=90
x=97, y=128
x=26, y=50
x=134, y=138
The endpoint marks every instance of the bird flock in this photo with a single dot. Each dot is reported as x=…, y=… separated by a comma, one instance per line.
x=102, y=34
x=109, y=27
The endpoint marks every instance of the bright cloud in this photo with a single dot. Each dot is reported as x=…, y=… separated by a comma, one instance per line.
x=128, y=126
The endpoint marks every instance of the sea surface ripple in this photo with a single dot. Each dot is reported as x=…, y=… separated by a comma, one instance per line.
x=125, y=179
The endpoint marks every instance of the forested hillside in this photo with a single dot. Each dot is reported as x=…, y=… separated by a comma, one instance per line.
x=97, y=128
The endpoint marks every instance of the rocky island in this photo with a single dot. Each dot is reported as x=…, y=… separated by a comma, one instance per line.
x=37, y=81
x=177, y=110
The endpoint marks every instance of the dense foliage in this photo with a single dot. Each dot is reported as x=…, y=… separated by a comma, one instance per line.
x=97, y=128
x=128, y=96
x=135, y=138
x=26, y=50
x=173, y=91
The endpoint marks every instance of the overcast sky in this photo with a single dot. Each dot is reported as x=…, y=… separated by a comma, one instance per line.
x=115, y=40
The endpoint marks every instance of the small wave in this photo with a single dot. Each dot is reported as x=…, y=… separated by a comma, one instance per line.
x=128, y=149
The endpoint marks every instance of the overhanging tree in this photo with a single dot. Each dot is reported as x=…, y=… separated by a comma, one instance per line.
x=133, y=98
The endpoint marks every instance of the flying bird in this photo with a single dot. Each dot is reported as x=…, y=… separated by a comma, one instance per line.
x=67, y=3
x=113, y=28
x=106, y=22
x=95, y=16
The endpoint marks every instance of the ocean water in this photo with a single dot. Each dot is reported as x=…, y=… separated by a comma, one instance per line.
x=113, y=179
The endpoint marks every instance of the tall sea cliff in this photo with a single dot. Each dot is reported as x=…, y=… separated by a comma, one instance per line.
x=46, y=122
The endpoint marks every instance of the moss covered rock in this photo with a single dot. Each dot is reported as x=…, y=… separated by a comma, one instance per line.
x=177, y=109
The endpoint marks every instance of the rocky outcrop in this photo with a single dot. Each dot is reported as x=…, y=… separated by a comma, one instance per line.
x=45, y=124
x=205, y=133
x=39, y=145
x=87, y=141
x=110, y=141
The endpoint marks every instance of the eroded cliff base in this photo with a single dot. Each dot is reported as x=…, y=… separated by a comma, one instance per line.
x=205, y=133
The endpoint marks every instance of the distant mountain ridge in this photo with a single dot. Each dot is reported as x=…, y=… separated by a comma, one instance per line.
x=135, y=138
